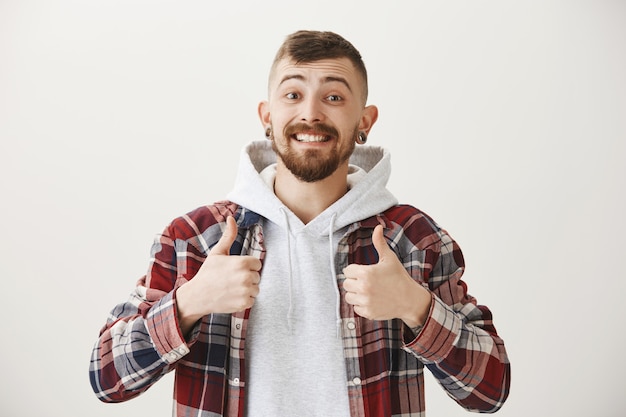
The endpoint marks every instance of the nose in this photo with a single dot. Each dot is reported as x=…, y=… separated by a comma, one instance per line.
x=312, y=110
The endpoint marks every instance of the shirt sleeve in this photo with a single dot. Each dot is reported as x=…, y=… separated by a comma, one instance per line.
x=141, y=340
x=458, y=342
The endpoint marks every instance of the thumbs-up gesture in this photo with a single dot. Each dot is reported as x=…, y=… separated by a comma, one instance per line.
x=385, y=290
x=223, y=284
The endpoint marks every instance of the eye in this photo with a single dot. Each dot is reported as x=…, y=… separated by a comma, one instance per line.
x=334, y=97
x=292, y=96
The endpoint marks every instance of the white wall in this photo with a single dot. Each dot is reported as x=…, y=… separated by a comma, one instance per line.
x=506, y=122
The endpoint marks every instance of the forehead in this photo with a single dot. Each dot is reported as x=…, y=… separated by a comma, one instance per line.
x=325, y=70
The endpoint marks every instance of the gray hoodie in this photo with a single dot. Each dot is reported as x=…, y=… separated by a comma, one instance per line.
x=294, y=351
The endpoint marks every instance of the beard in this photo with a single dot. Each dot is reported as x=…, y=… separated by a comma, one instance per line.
x=313, y=165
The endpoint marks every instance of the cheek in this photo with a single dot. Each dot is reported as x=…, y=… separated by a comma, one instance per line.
x=346, y=119
x=350, y=130
x=278, y=120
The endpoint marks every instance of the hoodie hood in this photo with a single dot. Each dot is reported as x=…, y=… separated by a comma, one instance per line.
x=370, y=168
x=303, y=244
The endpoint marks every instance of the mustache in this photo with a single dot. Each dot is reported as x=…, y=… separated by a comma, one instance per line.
x=316, y=129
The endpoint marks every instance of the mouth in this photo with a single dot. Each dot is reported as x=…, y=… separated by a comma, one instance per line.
x=313, y=134
x=311, y=138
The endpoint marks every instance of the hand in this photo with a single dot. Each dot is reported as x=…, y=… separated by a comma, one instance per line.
x=223, y=284
x=385, y=290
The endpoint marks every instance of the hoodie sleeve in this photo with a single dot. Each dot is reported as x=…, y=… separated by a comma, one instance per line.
x=458, y=343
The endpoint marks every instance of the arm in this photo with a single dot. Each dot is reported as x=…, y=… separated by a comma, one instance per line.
x=191, y=275
x=459, y=342
x=420, y=283
x=141, y=340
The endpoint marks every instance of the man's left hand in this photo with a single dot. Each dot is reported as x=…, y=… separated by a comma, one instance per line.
x=385, y=290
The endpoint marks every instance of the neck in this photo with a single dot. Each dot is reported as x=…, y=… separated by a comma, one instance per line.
x=308, y=199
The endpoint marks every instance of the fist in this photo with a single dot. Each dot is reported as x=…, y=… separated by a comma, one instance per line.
x=223, y=284
x=385, y=290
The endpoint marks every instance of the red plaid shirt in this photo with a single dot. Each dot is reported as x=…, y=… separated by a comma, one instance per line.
x=141, y=340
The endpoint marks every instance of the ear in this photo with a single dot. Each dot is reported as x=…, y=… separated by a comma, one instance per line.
x=264, y=113
x=369, y=115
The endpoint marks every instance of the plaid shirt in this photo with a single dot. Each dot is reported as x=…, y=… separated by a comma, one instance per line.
x=142, y=340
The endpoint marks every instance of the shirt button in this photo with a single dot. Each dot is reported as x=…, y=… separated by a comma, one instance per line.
x=237, y=326
x=356, y=380
x=236, y=381
x=351, y=325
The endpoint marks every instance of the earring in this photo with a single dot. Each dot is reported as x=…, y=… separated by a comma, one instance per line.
x=268, y=133
x=361, y=138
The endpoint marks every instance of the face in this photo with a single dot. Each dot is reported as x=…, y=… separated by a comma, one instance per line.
x=315, y=111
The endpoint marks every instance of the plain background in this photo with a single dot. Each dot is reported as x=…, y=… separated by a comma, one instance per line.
x=505, y=120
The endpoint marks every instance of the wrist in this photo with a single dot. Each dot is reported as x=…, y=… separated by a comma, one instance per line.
x=186, y=318
x=417, y=314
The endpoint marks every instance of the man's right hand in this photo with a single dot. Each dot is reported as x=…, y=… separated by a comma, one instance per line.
x=223, y=284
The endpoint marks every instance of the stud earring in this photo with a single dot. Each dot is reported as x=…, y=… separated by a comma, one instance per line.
x=268, y=133
x=361, y=138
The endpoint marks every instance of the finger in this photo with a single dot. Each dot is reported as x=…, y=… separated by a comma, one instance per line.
x=353, y=271
x=351, y=298
x=361, y=311
x=349, y=285
x=347, y=271
x=253, y=278
x=380, y=243
x=222, y=247
x=251, y=263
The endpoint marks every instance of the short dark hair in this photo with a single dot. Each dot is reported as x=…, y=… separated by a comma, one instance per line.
x=306, y=46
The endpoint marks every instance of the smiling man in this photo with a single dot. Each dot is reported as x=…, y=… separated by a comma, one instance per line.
x=309, y=291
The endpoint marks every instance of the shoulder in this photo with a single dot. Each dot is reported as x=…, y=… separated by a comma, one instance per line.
x=416, y=226
x=407, y=216
x=203, y=218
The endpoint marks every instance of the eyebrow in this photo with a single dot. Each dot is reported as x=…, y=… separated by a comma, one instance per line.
x=328, y=79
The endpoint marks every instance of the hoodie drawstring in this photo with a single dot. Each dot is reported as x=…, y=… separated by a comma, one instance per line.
x=290, y=311
x=333, y=274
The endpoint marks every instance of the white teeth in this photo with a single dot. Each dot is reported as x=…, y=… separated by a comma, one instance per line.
x=302, y=137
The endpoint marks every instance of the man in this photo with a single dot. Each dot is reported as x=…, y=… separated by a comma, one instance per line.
x=310, y=291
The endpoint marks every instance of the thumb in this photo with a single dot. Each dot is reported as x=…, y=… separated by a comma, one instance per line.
x=222, y=247
x=380, y=243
